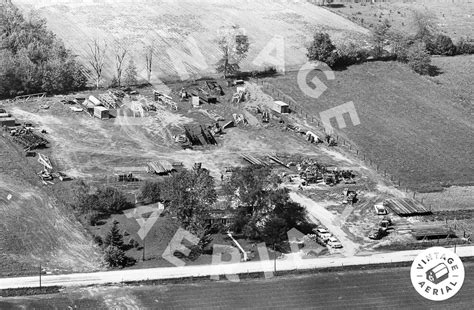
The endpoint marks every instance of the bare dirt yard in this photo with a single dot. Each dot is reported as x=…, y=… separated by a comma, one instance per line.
x=411, y=126
x=171, y=24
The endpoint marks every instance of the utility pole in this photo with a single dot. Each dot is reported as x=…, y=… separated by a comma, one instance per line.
x=143, y=253
x=40, y=274
x=274, y=259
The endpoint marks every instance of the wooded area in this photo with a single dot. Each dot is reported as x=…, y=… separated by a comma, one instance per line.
x=32, y=59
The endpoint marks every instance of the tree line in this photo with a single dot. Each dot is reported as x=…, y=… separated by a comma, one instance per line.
x=32, y=58
x=388, y=44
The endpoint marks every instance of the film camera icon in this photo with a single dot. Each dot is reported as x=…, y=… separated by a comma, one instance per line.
x=438, y=273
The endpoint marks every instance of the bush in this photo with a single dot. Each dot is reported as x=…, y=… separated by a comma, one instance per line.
x=98, y=240
x=443, y=45
x=111, y=201
x=115, y=257
x=92, y=217
x=464, y=46
x=419, y=59
x=133, y=243
x=350, y=54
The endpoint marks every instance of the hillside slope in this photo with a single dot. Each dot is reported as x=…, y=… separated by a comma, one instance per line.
x=170, y=23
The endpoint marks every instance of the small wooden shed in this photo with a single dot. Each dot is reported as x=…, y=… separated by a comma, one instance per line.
x=101, y=112
x=281, y=107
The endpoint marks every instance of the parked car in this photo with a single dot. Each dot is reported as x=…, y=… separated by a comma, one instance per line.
x=334, y=243
x=323, y=234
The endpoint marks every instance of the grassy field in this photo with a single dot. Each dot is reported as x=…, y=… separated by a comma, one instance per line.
x=410, y=125
x=452, y=17
x=35, y=227
x=169, y=24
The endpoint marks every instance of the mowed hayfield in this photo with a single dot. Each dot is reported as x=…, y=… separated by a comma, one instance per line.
x=452, y=17
x=410, y=126
x=191, y=27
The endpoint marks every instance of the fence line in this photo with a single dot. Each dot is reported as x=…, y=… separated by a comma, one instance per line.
x=343, y=143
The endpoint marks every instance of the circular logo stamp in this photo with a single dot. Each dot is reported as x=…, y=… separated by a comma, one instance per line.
x=437, y=273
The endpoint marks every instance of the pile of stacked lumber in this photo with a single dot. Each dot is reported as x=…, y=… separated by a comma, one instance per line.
x=405, y=206
x=253, y=160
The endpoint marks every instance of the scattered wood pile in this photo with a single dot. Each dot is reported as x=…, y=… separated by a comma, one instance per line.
x=28, y=139
x=109, y=100
x=165, y=99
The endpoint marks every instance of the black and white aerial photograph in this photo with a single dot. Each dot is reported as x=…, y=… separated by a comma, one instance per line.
x=236, y=154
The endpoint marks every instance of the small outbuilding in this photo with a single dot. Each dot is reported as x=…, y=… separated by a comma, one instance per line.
x=101, y=112
x=196, y=101
x=281, y=107
x=7, y=122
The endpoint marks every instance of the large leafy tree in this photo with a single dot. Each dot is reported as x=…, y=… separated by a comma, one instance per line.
x=189, y=195
x=381, y=37
x=234, y=46
x=322, y=49
x=264, y=207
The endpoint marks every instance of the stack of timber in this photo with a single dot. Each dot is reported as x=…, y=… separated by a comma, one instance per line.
x=160, y=167
x=406, y=206
x=277, y=160
x=434, y=230
x=199, y=135
x=253, y=160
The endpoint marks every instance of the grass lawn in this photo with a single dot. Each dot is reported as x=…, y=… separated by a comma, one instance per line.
x=410, y=125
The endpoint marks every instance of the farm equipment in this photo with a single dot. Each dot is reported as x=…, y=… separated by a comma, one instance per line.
x=265, y=117
x=128, y=177
x=214, y=88
x=350, y=196
x=377, y=233
x=239, y=118
x=330, y=179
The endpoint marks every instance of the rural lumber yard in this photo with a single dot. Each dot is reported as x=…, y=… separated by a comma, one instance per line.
x=216, y=154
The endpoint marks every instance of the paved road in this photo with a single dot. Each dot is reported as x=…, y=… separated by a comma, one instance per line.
x=380, y=289
x=291, y=262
